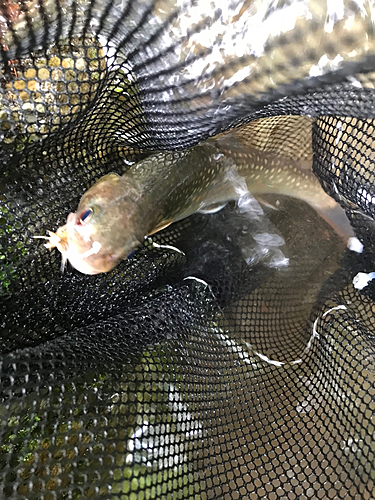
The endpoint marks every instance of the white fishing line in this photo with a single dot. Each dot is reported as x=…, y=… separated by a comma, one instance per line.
x=168, y=247
x=196, y=279
x=336, y=308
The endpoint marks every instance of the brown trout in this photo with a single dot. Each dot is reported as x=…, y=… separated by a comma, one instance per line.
x=118, y=212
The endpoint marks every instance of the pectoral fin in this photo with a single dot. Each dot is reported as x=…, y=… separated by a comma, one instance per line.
x=162, y=225
x=211, y=209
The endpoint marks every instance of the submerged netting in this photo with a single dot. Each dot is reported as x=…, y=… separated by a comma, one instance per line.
x=231, y=357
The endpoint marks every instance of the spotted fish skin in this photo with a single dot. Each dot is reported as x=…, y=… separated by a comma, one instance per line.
x=177, y=184
x=116, y=213
x=267, y=173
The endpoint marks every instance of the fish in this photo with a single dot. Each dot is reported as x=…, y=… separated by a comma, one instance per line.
x=116, y=214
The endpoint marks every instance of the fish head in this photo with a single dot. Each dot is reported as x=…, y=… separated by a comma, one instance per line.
x=103, y=230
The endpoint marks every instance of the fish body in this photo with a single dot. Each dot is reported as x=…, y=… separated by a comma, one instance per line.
x=117, y=212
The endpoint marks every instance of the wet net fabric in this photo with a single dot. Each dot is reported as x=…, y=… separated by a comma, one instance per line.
x=231, y=357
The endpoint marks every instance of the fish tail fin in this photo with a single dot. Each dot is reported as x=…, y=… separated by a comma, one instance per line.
x=336, y=217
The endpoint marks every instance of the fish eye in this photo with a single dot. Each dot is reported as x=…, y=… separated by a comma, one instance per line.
x=85, y=216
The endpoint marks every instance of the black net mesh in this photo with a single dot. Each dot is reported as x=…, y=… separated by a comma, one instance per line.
x=213, y=364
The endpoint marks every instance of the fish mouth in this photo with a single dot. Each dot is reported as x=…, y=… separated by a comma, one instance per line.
x=59, y=239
